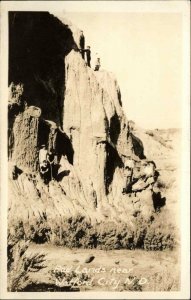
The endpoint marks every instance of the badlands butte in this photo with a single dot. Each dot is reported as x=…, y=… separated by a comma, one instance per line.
x=108, y=191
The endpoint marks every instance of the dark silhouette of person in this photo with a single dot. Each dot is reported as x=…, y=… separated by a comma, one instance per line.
x=82, y=43
x=52, y=158
x=88, y=56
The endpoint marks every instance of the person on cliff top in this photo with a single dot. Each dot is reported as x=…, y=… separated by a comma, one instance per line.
x=82, y=43
x=88, y=56
x=97, y=63
x=42, y=155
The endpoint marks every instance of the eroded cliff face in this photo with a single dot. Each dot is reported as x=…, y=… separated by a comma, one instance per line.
x=56, y=100
x=95, y=123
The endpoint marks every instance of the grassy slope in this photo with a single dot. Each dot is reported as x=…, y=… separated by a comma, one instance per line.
x=161, y=269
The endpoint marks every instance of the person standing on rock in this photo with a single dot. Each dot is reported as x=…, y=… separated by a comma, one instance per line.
x=42, y=155
x=51, y=158
x=88, y=56
x=97, y=63
x=82, y=43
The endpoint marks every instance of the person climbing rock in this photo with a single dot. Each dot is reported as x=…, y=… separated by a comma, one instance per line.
x=82, y=43
x=88, y=56
x=42, y=154
x=53, y=161
x=45, y=172
x=97, y=63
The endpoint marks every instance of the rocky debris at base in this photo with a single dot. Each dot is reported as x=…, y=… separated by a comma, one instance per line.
x=89, y=259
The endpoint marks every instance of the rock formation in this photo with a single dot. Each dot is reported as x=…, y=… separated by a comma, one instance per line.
x=57, y=100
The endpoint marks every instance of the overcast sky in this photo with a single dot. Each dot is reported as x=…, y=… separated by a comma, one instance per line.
x=142, y=44
x=144, y=51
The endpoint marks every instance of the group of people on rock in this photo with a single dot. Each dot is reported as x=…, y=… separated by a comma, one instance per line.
x=48, y=164
x=134, y=174
x=86, y=53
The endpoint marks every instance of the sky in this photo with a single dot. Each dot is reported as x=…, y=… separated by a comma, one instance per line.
x=144, y=51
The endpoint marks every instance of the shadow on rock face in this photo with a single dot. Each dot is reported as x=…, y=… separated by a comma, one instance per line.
x=115, y=128
x=62, y=174
x=158, y=201
x=113, y=160
x=138, y=146
x=38, y=44
x=64, y=146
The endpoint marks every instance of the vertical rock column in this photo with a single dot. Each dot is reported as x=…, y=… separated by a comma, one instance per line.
x=25, y=131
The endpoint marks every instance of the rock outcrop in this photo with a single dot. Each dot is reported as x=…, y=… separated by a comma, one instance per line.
x=57, y=100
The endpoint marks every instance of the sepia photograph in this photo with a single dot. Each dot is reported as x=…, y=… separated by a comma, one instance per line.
x=95, y=155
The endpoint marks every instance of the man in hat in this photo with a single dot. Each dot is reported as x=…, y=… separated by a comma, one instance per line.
x=88, y=56
x=82, y=43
